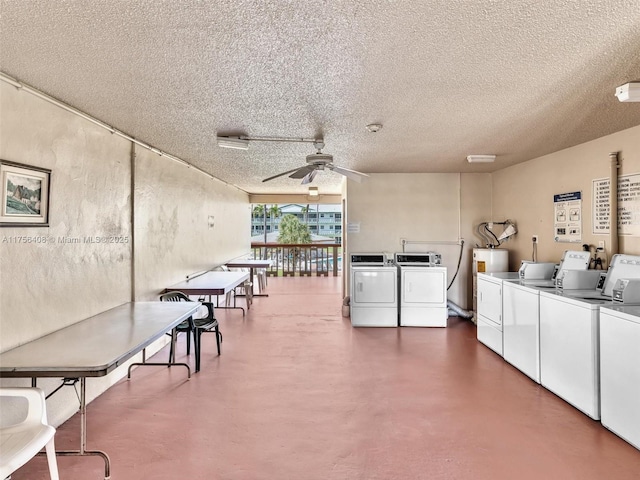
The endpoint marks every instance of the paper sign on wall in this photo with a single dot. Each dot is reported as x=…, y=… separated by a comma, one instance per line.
x=628, y=205
x=353, y=227
x=567, y=226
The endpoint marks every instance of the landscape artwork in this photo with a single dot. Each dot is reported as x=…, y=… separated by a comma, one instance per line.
x=25, y=195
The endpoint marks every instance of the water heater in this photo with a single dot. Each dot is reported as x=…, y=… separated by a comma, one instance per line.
x=488, y=260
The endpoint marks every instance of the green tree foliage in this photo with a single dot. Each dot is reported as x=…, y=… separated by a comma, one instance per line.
x=274, y=212
x=258, y=211
x=292, y=231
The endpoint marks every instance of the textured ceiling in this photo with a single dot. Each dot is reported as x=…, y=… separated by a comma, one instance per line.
x=518, y=79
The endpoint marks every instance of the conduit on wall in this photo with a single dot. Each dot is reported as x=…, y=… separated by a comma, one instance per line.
x=613, y=204
x=21, y=86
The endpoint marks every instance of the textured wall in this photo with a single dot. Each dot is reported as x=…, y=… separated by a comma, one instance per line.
x=421, y=208
x=47, y=286
x=524, y=193
x=172, y=205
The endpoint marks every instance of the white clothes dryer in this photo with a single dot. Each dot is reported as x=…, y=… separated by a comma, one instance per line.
x=423, y=290
x=374, y=290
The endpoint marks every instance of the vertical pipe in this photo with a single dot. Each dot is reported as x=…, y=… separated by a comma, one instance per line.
x=132, y=224
x=613, y=204
x=83, y=415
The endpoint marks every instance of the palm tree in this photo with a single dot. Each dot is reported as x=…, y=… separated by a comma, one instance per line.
x=274, y=212
x=261, y=211
x=305, y=213
x=257, y=211
x=292, y=231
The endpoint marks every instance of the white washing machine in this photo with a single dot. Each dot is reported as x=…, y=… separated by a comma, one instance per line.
x=521, y=313
x=521, y=327
x=569, y=351
x=423, y=290
x=374, y=290
x=570, y=337
x=620, y=371
x=489, y=308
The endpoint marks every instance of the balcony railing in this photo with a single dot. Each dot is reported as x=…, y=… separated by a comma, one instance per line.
x=304, y=259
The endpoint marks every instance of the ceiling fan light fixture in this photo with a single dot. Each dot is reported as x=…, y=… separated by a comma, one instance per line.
x=233, y=142
x=481, y=158
x=629, y=92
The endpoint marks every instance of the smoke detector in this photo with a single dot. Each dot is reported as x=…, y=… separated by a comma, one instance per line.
x=374, y=127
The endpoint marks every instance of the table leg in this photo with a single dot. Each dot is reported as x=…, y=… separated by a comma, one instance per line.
x=227, y=307
x=170, y=363
x=252, y=285
x=83, y=452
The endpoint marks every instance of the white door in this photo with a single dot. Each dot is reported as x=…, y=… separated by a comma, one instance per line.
x=490, y=300
x=424, y=285
x=371, y=286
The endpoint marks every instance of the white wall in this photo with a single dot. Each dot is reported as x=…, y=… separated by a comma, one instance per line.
x=172, y=205
x=422, y=208
x=47, y=286
x=524, y=193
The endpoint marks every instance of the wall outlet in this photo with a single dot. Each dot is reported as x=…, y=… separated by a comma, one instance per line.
x=534, y=239
x=601, y=244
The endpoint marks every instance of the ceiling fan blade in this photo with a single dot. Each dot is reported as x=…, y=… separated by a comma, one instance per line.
x=352, y=174
x=302, y=171
x=281, y=174
x=309, y=177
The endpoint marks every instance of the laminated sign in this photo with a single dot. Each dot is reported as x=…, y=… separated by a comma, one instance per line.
x=567, y=225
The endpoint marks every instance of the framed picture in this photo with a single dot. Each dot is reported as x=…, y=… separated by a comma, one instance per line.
x=24, y=194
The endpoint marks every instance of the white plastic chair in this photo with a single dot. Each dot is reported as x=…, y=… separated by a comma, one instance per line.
x=20, y=442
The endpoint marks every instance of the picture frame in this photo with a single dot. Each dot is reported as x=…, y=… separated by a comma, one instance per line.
x=24, y=195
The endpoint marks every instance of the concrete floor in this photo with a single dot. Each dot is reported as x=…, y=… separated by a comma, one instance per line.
x=299, y=394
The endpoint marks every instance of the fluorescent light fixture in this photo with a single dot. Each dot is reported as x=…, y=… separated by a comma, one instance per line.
x=481, y=158
x=313, y=192
x=233, y=142
x=629, y=92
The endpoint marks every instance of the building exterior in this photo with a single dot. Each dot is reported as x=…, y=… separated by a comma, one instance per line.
x=323, y=220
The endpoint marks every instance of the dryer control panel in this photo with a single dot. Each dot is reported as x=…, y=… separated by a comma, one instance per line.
x=425, y=259
x=370, y=259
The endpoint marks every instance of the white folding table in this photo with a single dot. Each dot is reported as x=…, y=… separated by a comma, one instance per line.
x=93, y=348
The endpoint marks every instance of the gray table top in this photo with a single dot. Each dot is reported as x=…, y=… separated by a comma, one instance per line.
x=210, y=283
x=97, y=345
x=249, y=263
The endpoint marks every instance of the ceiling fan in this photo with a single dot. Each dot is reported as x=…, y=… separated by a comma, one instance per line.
x=319, y=161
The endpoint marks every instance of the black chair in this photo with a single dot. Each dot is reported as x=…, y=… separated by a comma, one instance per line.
x=197, y=326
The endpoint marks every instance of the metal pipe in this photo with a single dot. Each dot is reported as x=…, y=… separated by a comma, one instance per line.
x=613, y=204
x=458, y=311
x=21, y=86
x=280, y=139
